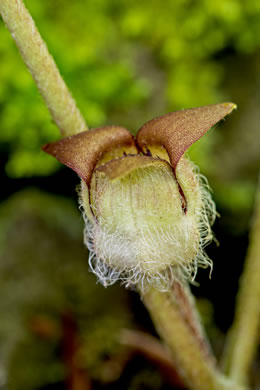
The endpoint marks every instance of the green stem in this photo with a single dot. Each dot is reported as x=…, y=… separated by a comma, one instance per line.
x=186, y=303
x=35, y=54
x=198, y=371
x=242, y=341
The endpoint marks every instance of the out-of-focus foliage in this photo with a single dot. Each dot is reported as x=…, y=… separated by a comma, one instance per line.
x=146, y=379
x=43, y=277
x=125, y=61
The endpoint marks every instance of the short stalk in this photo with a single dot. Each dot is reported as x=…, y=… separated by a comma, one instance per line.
x=182, y=295
x=243, y=338
x=198, y=371
x=35, y=54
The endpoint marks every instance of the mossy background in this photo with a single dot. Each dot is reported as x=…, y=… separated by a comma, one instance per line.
x=125, y=62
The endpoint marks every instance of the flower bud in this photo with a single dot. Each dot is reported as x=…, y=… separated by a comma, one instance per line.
x=148, y=213
x=143, y=230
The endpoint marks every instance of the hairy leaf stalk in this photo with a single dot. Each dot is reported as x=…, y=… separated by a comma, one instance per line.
x=197, y=369
x=176, y=327
x=242, y=342
x=35, y=54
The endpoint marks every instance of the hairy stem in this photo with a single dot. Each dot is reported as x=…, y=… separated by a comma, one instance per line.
x=35, y=54
x=197, y=370
x=186, y=303
x=242, y=341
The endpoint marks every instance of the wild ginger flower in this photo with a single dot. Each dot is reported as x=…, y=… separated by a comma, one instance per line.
x=148, y=214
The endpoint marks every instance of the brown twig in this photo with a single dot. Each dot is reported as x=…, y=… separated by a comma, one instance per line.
x=76, y=377
x=154, y=351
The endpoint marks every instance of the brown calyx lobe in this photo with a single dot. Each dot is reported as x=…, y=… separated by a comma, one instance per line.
x=177, y=131
x=174, y=132
x=180, y=129
x=83, y=151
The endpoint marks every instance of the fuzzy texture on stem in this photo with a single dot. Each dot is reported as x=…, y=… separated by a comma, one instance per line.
x=242, y=342
x=35, y=54
x=181, y=293
x=197, y=370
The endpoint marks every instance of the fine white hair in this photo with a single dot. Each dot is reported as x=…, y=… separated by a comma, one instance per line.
x=114, y=255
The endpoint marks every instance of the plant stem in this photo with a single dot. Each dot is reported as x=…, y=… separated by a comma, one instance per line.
x=186, y=303
x=197, y=370
x=35, y=54
x=242, y=341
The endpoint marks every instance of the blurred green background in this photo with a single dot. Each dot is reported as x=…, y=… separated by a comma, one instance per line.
x=125, y=61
